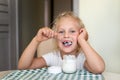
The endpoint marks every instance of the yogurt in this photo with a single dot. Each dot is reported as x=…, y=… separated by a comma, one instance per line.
x=69, y=64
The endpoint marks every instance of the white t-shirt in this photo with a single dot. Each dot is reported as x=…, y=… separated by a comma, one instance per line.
x=54, y=59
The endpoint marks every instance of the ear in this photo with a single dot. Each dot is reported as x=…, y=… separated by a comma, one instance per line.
x=81, y=30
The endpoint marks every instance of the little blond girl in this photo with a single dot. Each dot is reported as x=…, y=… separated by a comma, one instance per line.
x=71, y=38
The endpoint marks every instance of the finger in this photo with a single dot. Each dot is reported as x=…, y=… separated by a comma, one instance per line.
x=55, y=34
x=50, y=34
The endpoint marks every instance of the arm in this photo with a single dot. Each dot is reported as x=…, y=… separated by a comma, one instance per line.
x=27, y=59
x=94, y=63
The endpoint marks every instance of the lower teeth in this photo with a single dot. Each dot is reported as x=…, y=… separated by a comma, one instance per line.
x=67, y=43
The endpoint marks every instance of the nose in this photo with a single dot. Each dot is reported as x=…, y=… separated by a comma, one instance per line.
x=66, y=35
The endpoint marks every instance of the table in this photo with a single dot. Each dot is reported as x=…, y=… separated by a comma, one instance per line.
x=3, y=73
x=42, y=74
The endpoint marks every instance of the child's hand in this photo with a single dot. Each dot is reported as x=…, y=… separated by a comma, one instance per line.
x=45, y=33
x=83, y=34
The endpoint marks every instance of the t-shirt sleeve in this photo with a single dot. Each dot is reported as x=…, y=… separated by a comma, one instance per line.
x=47, y=57
x=53, y=58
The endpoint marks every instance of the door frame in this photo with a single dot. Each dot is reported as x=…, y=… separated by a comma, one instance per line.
x=13, y=33
x=76, y=6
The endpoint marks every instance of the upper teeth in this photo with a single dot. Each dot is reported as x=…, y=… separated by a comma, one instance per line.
x=67, y=43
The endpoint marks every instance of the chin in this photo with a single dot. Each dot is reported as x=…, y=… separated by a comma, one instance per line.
x=68, y=52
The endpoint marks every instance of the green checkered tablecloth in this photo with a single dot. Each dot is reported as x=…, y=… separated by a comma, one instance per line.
x=42, y=74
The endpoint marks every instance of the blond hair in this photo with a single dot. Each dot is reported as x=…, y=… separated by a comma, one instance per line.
x=67, y=14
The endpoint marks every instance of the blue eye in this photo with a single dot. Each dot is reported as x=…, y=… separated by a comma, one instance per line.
x=60, y=31
x=72, y=31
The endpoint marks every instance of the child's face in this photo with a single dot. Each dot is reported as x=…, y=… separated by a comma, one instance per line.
x=68, y=32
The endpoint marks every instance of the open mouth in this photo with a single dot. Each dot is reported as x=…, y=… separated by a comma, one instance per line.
x=67, y=43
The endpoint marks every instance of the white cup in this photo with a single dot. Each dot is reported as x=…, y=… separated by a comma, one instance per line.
x=69, y=64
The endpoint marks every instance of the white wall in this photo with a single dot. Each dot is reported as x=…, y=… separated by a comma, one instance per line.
x=102, y=20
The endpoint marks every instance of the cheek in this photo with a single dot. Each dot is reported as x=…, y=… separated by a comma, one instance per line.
x=75, y=37
x=59, y=43
x=59, y=37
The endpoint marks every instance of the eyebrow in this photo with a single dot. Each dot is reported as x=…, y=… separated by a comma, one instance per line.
x=69, y=29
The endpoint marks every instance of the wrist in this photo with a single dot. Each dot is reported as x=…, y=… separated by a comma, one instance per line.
x=36, y=40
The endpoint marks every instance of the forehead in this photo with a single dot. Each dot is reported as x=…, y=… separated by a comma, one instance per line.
x=67, y=22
